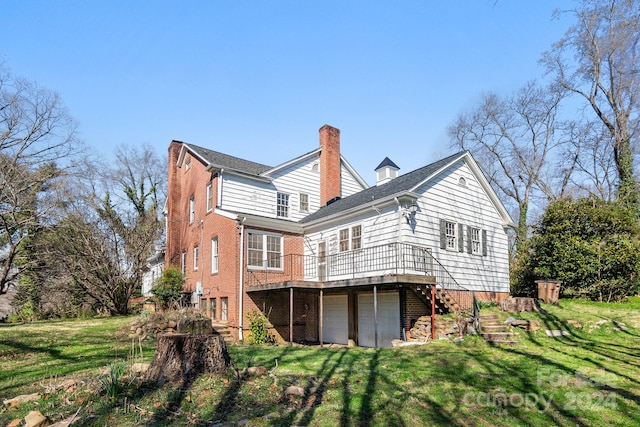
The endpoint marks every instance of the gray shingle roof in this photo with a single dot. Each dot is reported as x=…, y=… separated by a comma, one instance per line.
x=398, y=185
x=387, y=162
x=226, y=161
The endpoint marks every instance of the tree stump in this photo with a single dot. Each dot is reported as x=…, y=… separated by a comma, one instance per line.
x=181, y=358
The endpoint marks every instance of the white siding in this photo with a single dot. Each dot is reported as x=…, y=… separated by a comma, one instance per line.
x=299, y=178
x=348, y=182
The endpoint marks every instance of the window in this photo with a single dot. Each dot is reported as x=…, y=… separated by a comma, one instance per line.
x=183, y=262
x=350, y=240
x=213, y=308
x=224, y=308
x=196, y=258
x=192, y=210
x=283, y=205
x=451, y=235
x=304, y=202
x=209, y=196
x=474, y=241
x=187, y=164
x=462, y=182
x=264, y=250
x=214, y=255
x=203, y=305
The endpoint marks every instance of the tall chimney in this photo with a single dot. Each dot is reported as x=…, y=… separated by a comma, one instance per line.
x=330, y=187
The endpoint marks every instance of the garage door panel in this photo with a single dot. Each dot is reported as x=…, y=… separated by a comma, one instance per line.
x=388, y=319
x=335, y=319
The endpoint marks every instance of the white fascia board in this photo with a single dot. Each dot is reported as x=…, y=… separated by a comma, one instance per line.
x=269, y=223
x=291, y=162
x=183, y=152
x=226, y=214
x=350, y=168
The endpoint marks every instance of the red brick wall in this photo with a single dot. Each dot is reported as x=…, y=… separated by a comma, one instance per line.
x=414, y=308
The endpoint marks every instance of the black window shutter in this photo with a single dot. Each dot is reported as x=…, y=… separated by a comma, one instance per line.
x=460, y=238
x=469, y=248
x=443, y=234
x=484, y=242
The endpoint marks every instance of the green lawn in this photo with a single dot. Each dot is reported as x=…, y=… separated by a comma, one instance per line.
x=590, y=377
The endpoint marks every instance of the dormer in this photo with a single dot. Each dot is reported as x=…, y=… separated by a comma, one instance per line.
x=386, y=171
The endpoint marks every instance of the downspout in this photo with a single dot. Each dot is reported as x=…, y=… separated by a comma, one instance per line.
x=241, y=284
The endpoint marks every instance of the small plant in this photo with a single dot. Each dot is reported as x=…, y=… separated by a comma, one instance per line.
x=486, y=304
x=111, y=380
x=259, y=329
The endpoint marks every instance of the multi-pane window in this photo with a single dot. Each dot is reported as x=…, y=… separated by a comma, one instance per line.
x=356, y=237
x=187, y=164
x=304, y=202
x=196, y=257
x=209, y=196
x=450, y=232
x=213, y=308
x=203, y=305
x=224, y=308
x=344, y=240
x=282, y=208
x=476, y=243
x=214, y=255
x=192, y=209
x=350, y=238
x=183, y=262
x=264, y=250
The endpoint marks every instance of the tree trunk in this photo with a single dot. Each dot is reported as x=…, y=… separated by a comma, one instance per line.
x=181, y=358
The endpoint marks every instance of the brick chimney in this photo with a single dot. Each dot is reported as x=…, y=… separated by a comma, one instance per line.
x=174, y=194
x=330, y=187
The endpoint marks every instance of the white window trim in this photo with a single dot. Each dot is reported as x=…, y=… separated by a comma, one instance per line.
x=192, y=209
x=350, y=238
x=183, y=262
x=215, y=259
x=209, y=196
x=300, y=202
x=196, y=257
x=264, y=251
x=287, y=207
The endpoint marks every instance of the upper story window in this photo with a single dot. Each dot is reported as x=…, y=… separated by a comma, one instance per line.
x=214, y=255
x=187, y=164
x=304, y=202
x=264, y=250
x=209, y=196
x=350, y=238
x=192, y=209
x=475, y=241
x=451, y=235
x=183, y=262
x=196, y=257
x=462, y=182
x=282, y=209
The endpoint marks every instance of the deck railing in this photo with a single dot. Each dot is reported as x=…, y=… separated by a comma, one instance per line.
x=392, y=258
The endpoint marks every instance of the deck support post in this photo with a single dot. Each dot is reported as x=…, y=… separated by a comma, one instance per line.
x=375, y=315
x=291, y=316
x=433, y=312
x=321, y=317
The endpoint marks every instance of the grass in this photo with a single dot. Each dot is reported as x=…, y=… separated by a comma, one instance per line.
x=590, y=377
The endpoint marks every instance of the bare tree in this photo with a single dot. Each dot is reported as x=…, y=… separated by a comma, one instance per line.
x=37, y=142
x=598, y=59
x=512, y=138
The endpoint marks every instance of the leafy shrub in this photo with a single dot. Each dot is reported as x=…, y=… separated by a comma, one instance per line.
x=591, y=245
x=258, y=325
x=168, y=287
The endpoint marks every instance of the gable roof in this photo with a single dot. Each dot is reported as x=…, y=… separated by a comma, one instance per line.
x=404, y=184
x=387, y=162
x=224, y=161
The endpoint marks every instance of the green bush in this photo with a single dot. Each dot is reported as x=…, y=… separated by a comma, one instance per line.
x=591, y=245
x=258, y=325
x=168, y=287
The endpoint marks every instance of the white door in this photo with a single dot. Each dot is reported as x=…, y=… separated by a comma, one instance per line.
x=335, y=320
x=388, y=319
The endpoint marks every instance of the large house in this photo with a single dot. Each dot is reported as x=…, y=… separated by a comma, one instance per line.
x=326, y=257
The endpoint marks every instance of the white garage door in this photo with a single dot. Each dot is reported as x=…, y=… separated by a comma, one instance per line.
x=388, y=319
x=335, y=319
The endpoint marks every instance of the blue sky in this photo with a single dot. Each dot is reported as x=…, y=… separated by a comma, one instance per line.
x=257, y=79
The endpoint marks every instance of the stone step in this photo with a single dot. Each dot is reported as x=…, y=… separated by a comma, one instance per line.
x=494, y=327
x=489, y=317
x=493, y=336
x=502, y=342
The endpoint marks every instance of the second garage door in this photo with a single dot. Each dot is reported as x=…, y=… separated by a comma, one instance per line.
x=388, y=319
x=335, y=319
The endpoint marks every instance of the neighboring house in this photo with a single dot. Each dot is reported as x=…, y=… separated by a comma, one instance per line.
x=153, y=270
x=324, y=256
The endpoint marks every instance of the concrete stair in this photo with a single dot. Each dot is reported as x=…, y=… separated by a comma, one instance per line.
x=224, y=330
x=495, y=332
